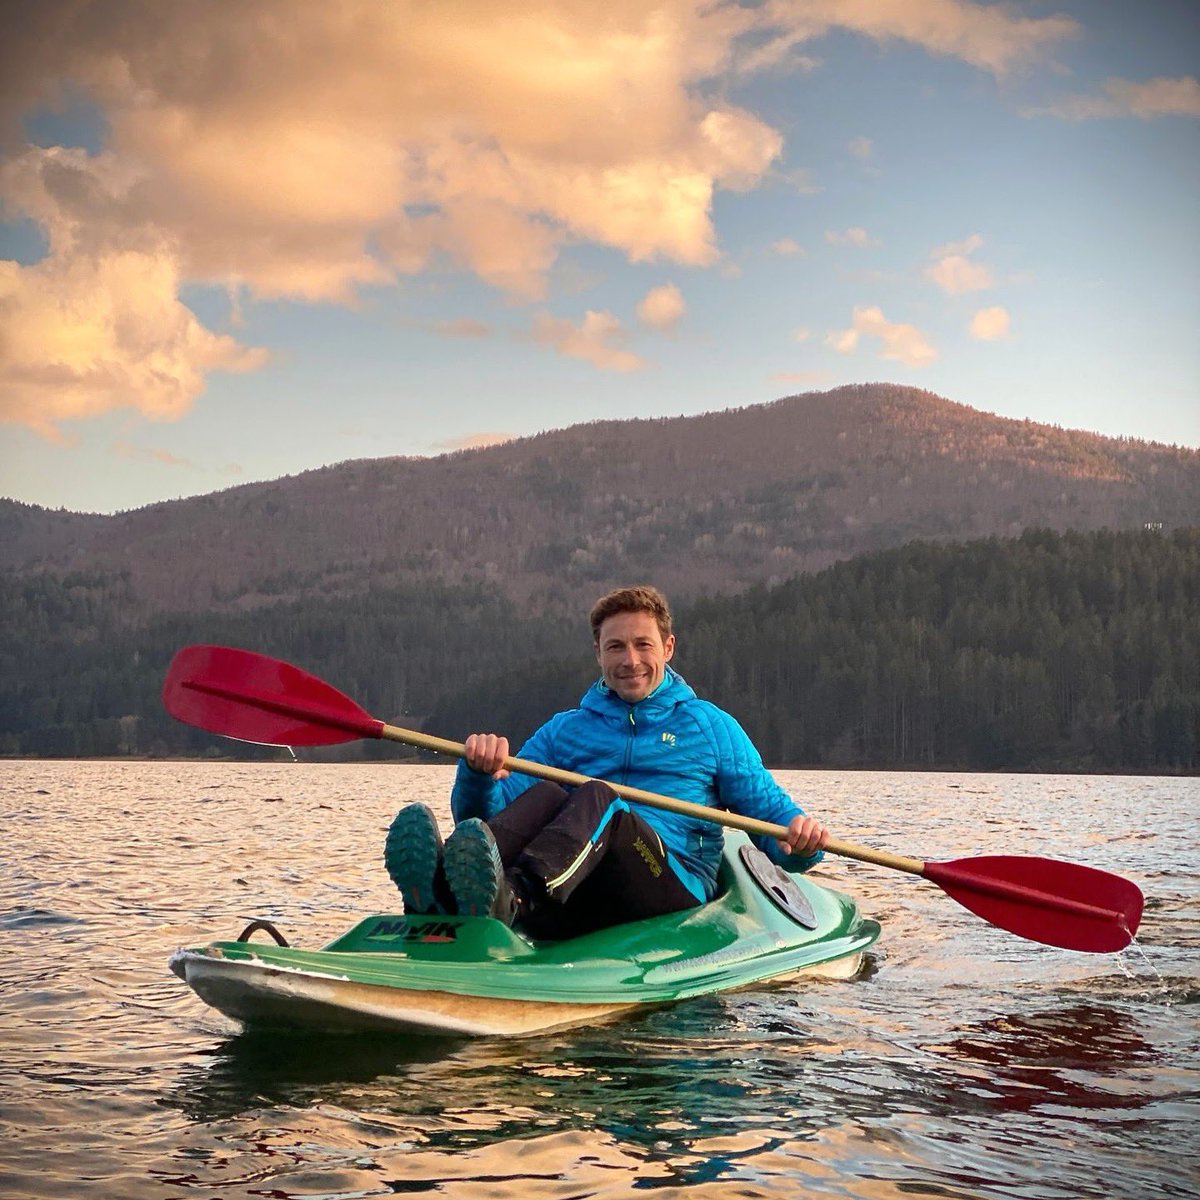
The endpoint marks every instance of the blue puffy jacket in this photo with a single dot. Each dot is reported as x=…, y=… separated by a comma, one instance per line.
x=672, y=743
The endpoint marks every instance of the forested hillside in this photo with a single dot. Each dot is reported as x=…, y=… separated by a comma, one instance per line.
x=1050, y=652
x=704, y=505
x=1076, y=651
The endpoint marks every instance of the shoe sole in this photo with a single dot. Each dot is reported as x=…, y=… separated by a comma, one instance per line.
x=473, y=868
x=411, y=854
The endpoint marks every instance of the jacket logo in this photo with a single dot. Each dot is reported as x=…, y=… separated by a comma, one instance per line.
x=669, y=738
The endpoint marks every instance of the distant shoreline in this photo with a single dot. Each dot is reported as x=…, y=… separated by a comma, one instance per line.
x=817, y=769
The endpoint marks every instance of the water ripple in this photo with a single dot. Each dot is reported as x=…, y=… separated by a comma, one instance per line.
x=964, y=1063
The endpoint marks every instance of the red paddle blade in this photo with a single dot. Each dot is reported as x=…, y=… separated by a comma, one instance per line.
x=1059, y=903
x=253, y=698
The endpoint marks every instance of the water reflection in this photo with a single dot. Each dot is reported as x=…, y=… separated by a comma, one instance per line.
x=705, y=1069
x=1083, y=1057
x=1095, y=1037
x=253, y=1070
x=693, y=1070
x=702, y=1094
x=683, y=1096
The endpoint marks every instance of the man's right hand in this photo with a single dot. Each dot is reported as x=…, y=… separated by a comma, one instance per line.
x=486, y=753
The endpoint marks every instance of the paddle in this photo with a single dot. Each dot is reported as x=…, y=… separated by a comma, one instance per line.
x=253, y=698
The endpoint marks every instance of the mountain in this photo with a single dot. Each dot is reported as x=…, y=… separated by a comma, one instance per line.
x=700, y=505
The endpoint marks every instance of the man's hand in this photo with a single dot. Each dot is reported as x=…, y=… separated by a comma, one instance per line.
x=486, y=753
x=805, y=836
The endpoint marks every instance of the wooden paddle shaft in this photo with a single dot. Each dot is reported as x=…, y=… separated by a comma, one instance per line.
x=717, y=816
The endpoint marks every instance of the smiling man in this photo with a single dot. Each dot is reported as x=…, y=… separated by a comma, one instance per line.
x=565, y=862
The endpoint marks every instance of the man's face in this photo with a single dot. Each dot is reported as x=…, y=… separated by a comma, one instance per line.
x=632, y=654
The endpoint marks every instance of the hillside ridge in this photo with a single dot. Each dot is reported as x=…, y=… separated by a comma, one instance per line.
x=702, y=504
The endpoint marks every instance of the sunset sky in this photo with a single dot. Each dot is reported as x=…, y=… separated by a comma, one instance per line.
x=243, y=238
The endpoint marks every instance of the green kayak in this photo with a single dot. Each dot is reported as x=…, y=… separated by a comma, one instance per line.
x=473, y=976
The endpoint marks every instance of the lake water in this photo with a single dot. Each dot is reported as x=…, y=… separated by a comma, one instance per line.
x=966, y=1063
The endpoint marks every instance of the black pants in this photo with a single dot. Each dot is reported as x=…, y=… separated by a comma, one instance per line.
x=584, y=860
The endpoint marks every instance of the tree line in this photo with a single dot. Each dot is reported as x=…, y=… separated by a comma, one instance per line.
x=1050, y=651
x=1076, y=652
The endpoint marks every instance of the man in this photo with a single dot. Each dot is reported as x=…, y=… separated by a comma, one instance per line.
x=562, y=863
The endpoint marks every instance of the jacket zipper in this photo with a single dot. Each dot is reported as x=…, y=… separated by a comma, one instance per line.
x=629, y=749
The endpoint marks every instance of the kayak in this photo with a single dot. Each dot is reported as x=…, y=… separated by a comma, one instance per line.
x=476, y=977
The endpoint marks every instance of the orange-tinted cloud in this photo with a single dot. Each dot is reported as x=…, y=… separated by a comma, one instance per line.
x=899, y=343
x=1161, y=97
x=286, y=142
x=86, y=334
x=596, y=339
x=990, y=324
x=662, y=307
x=955, y=272
x=309, y=150
x=990, y=36
x=474, y=441
x=854, y=236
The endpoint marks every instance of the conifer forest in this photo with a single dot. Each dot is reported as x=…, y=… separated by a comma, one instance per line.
x=1050, y=651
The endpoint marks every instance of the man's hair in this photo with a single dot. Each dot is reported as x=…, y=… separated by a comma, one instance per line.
x=632, y=599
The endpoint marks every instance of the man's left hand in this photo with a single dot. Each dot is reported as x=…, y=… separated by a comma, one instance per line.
x=805, y=836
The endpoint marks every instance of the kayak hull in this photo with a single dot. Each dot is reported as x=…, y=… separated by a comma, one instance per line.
x=259, y=994
x=474, y=977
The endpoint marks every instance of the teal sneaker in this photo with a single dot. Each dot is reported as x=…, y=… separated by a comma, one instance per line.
x=475, y=874
x=413, y=857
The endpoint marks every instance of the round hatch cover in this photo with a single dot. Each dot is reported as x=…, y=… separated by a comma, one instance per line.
x=780, y=886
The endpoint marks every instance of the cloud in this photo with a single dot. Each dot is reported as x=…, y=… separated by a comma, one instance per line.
x=90, y=334
x=989, y=36
x=900, y=343
x=801, y=334
x=800, y=180
x=738, y=147
x=990, y=324
x=778, y=50
x=954, y=272
x=967, y=246
x=854, y=236
x=503, y=246
x=474, y=441
x=862, y=147
x=662, y=308
x=310, y=151
x=843, y=341
x=1161, y=97
x=596, y=340
x=787, y=247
